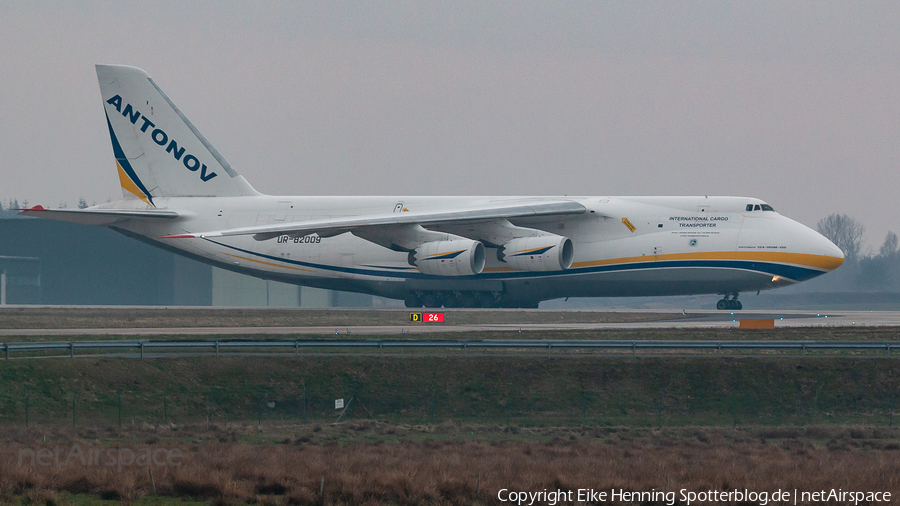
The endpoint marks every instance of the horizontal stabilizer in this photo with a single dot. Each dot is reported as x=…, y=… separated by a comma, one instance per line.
x=101, y=217
x=332, y=226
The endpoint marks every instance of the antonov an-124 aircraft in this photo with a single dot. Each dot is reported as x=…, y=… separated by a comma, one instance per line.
x=181, y=195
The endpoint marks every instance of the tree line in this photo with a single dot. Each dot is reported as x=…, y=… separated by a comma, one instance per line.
x=862, y=269
x=8, y=209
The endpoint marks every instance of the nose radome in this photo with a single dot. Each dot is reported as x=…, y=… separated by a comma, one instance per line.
x=817, y=244
x=832, y=251
x=806, y=240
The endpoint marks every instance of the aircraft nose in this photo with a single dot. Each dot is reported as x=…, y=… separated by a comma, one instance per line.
x=823, y=254
x=833, y=251
x=818, y=244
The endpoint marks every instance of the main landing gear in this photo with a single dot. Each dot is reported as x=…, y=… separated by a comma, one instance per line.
x=462, y=299
x=731, y=303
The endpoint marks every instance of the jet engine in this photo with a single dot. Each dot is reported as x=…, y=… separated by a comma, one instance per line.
x=542, y=253
x=449, y=258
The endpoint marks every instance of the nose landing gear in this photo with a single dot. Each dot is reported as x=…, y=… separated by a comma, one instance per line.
x=731, y=303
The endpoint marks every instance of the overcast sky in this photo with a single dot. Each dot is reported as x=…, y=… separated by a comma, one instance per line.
x=795, y=103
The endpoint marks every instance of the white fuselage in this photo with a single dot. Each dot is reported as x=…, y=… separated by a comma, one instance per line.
x=623, y=246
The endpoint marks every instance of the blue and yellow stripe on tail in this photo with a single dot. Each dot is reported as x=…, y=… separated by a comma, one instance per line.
x=129, y=181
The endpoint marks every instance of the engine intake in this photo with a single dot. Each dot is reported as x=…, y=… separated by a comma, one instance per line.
x=449, y=258
x=543, y=253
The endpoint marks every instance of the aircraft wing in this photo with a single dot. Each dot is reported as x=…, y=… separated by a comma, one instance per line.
x=100, y=217
x=335, y=226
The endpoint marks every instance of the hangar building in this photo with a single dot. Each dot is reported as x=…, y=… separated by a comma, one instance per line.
x=60, y=263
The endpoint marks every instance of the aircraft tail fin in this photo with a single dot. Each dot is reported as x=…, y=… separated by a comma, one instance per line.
x=158, y=151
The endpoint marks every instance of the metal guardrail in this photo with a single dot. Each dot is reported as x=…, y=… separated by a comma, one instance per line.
x=509, y=344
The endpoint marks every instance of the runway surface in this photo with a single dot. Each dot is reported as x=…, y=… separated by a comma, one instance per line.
x=697, y=319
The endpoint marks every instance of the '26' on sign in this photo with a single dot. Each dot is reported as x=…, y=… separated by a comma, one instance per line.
x=427, y=317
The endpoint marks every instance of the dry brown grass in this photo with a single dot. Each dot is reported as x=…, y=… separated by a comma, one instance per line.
x=449, y=466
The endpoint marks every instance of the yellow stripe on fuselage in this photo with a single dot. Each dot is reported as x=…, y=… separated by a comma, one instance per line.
x=267, y=263
x=823, y=262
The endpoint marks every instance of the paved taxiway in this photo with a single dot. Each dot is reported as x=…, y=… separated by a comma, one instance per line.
x=696, y=319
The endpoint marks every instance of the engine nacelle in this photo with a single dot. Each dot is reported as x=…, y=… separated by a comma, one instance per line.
x=543, y=253
x=449, y=258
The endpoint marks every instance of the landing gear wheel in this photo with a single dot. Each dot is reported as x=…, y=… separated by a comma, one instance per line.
x=731, y=303
x=467, y=299
x=413, y=300
x=431, y=300
x=487, y=299
x=450, y=300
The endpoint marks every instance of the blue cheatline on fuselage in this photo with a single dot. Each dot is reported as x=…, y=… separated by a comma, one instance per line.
x=789, y=272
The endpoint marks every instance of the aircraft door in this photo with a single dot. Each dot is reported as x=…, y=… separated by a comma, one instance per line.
x=655, y=224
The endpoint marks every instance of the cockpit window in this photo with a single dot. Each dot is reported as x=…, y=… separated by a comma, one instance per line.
x=756, y=207
x=749, y=207
x=767, y=207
